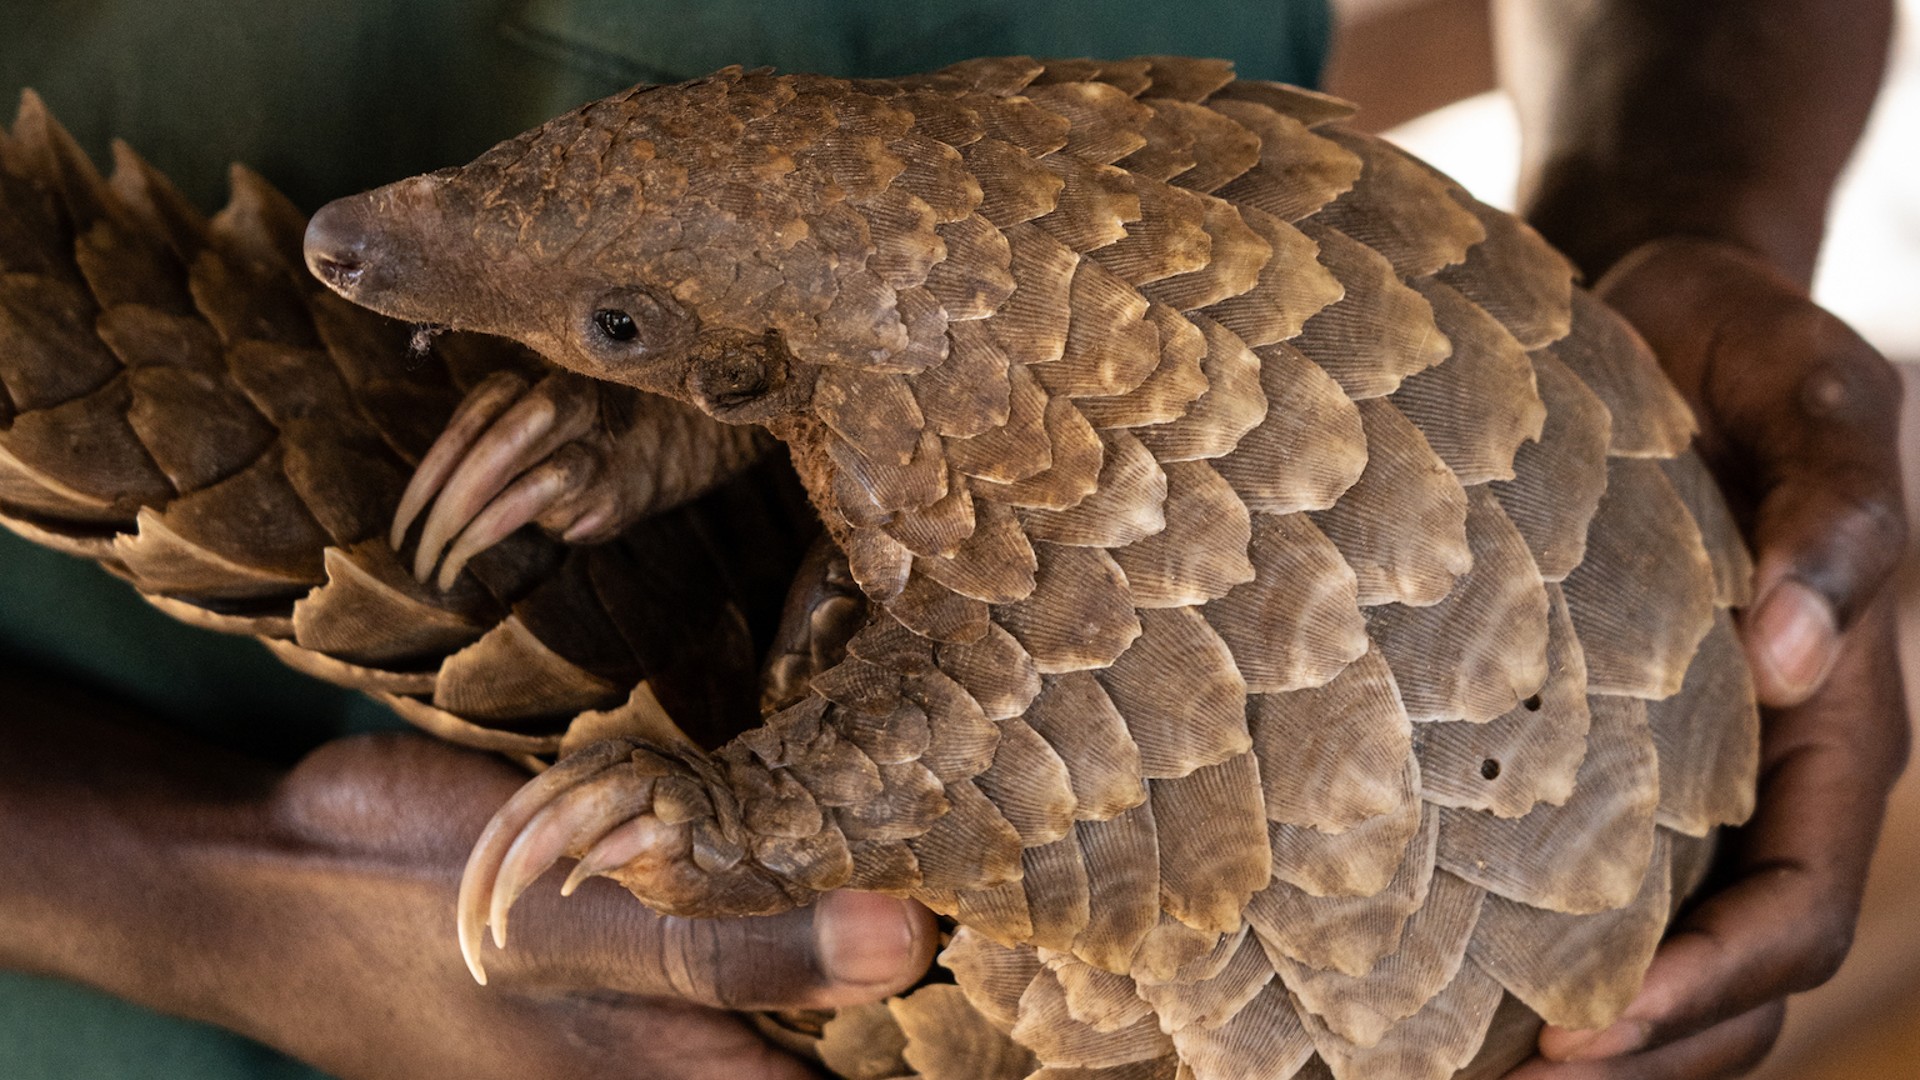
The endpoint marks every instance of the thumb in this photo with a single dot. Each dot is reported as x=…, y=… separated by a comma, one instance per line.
x=847, y=948
x=1799, y=420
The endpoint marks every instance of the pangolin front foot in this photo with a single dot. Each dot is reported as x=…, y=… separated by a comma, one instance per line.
x=512, y=455
x=659, y=821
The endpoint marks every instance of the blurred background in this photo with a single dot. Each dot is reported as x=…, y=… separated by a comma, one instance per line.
x=1425, y=69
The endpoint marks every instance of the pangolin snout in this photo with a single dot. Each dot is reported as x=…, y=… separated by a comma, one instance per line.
x=340, y=243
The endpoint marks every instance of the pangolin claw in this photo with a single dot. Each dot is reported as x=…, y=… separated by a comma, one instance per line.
x=513, y=455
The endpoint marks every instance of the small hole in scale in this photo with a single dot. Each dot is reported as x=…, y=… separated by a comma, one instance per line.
x=1490, y=769
x=1532, y=703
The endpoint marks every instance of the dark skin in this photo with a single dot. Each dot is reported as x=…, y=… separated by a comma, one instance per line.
x=1683, y=154
x=216, y=888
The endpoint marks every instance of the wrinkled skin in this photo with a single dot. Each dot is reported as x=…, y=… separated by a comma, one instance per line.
x=249, y=898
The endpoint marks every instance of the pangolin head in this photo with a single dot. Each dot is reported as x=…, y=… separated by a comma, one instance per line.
x=701, y=241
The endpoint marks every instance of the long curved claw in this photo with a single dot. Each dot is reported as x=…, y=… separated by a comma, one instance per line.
x=576, y=818
x=537, y=491
x=483, y=405
x=483, y=865
x=500, y=435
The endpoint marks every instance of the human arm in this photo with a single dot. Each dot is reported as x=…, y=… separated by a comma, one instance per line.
x=314, y=910
x=1684, y=156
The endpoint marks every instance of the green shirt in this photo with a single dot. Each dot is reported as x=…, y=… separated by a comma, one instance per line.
x=330, y=97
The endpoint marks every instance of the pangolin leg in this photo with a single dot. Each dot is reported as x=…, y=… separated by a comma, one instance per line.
x=824, y=609
x=655, y=820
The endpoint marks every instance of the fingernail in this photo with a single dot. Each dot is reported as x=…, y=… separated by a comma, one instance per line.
x=1622, y=1038
x=1798, y=637
x=864, y=939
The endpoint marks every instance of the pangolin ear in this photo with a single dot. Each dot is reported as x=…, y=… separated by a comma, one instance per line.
x=746, y=380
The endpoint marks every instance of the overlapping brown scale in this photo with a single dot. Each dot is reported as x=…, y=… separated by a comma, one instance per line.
x=1080, y=615
x=47, y=152
x=1333, y=755
x=1379, y=332
x=1213, y=843
x=354, y=676
x=1233, y=404
x=1587, y=855
x=968, y=393
x=1104, y=121
x=1347, y=934
x=875, y=414
x=1023, y=124
x=1650, y=418
x=905, y=244
x=47, y=336
x=1235, y=259
x=246, y=536
x=999, y=911
x=371, y=611
x=1296, y=624
x=1031, y=326
x=1049, y=1029
x=985, y=75
x=1078, y=719
x=1310, y=449
x=1183, y=699
x=1170, y=238
x=1489, y=378
x=1162, y=1068
x=994, y=564
x=1014, y=187
x=1129, y=76
x=947, y=1039
x=1100, y=999
x=1483, y=649
x=509, y=674
x=34, y=240
x=991, y=975
x=871, y=488
x=925, y=322
x=974, y=279
x=995, y=671
x=1432, y=1044
x=1644, y=595
x=1708, y=737
x=1577, y=971
x=1220, y=149
x=1558, y=480
x=1292, y=286
x=125, y=267
x=197, y=429
x=1128, y=504
x=1719, y=532
x=1110, y=346
x=1299, y=171
x=150, y=201
x=1528, y=755
x=1360, y=861
x=1175, y=952
x=970, y=846
x=85, y=451
x=1515, y=275
x=1213, y=1001
x=1096, y=204
x=1169, y=147
x=1030, y=784
x=1201, y=554
x=940, y=116
x=1265, y=1039
x=863, y=1042
x=940, y=527
x=1075, y=456
x=1400, y=209
x=1402, y=525
x=1122, y=854
x=1015, y=450
x=1177, y=380
x=1059, y=896
x=1432, y=949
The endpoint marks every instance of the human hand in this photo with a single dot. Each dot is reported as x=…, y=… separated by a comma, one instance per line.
x=1799, y=419
x=596, y=985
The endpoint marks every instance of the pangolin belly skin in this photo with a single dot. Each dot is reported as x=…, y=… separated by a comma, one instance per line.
x=1299, y=637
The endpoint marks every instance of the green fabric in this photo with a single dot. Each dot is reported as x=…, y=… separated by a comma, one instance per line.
x=333, y=96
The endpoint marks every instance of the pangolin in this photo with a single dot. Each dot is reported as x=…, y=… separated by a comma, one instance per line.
x=1263, y=602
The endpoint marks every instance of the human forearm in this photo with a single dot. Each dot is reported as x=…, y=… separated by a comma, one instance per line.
x=1726, y=119
x=109, y=830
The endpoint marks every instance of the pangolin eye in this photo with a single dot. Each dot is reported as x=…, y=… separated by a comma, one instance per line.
x=616, y=325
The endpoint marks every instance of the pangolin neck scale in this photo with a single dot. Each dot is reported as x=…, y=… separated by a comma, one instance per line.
x=1290, y=631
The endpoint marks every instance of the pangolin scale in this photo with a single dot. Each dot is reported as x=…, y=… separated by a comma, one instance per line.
x=1293, y=634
